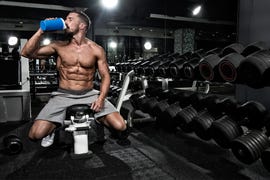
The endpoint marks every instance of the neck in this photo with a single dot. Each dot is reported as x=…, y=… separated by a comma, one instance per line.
x=78, y=39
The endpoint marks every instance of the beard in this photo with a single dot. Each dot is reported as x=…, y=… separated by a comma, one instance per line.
x=68, y=35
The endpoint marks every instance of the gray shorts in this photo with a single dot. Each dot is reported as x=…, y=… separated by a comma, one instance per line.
x=55, y=109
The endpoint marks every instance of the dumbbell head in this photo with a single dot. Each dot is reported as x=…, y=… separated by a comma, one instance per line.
x=168, y=117
x=185, y=117
x=202, y=123
x=254, y=112
x=249, y=147
x=12, y=144
x=224, y=130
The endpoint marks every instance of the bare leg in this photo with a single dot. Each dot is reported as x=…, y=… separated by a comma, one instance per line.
x=40, y=129
x=117, y=126
x=115, y=121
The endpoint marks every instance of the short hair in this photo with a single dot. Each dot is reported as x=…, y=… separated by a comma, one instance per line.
x=83, y=16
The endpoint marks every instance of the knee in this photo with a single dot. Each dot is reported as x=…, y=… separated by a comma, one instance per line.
x=120, y=126
x=40, y=129
x=35, y=135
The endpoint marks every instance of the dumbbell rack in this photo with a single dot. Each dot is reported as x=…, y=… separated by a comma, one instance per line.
x=197, y=86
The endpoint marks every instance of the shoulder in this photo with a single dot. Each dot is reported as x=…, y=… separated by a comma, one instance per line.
x=95, y=47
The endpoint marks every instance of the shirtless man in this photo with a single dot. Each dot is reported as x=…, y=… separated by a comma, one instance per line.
x=77, y=61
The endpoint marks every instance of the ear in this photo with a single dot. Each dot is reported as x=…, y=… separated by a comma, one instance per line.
x=82, y=26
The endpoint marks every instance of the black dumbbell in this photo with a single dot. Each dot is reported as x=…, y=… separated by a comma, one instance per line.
x=203, y=121
x=12, y=144
x=265, y=157
x=199, y=107
x=250, y=115
x=249, y=147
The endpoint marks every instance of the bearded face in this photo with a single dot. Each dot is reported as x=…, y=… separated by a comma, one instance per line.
x=71, y=30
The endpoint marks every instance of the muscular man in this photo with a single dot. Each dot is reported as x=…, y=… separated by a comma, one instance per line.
x=78, y=58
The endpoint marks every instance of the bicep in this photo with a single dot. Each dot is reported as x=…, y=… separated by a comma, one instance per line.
x=44, y=51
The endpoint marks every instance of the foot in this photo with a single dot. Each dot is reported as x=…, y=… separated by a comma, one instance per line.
x=48, y=140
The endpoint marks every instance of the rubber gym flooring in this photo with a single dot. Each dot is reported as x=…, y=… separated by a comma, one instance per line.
x=151, y=154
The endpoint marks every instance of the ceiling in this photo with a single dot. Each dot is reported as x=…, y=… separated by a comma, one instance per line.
x=217, y=14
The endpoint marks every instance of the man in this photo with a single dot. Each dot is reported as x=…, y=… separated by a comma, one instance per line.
x=78, y=58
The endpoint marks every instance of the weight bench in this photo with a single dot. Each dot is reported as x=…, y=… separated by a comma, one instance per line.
x=78, y=120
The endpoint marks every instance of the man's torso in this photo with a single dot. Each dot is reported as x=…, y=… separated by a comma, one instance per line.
x=76, y=65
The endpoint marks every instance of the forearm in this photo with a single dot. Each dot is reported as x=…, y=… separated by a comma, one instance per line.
x=32, y=45
x=104, y=87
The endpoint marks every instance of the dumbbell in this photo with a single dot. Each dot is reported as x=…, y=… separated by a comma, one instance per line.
x=214, y=110
x=265, y=157
x=254, y=47
x=200, y=107
x=152, y=68
x=191, y=67
x=252, y=145
x=254, y=69
x=177, y=111
x=208, y=67
x=140, y=69
x=249, y=115
x=181, y=113
x=163, y=69
x=228, y=67
x=249, y=147
x=12, y=144
x=146, y=101
x=233, y=48
x=212, y=67
x=166, y=109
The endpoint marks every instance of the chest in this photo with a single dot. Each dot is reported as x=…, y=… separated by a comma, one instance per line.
x=77, y=56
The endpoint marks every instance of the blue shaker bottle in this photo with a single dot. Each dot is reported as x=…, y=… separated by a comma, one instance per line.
x=52, y=24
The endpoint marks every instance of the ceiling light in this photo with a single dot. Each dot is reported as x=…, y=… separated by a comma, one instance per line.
x=12, y=40
x=46, y=41
x=113, y=44
x=109, y=4
x=196, y=10
x=147, y=45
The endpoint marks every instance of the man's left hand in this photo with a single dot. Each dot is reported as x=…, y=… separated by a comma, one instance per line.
x=97, y=105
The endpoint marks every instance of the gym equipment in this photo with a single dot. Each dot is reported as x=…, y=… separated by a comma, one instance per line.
x=233, y=48
x=78, y=120
x=250, y=115
x=265, y=156
x=228, y=67
x=12, y=144
x=200, y=106
x=224, y=130
x=208, y=68
x=139, y=69
x=175, y=68
x=163, y=66
x=214, y=110
x=254, y=69
x=163, y=69
x=249, y=147
x=152, y=67
x=254, y=47
x=191, y=67
x=168, y=118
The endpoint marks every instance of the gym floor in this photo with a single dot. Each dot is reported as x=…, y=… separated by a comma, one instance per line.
x=151, y=154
